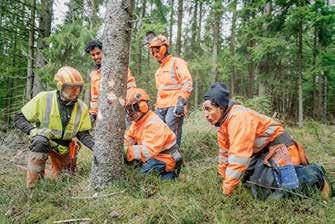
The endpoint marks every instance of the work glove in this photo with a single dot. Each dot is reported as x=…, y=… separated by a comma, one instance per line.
x=125, y=150
x=59, y=148
x=47, y=133
x=180, y=106
x=40, y=144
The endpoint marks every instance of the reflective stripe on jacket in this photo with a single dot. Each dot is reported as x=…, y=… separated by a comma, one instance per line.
x=173, y=79
x=95, y=88
x=148, y=138
x=43, y=111
x=243, y=134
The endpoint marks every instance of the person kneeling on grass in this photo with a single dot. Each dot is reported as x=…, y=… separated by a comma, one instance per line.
x=53, y=119
x=256, y=149
x=149, y=140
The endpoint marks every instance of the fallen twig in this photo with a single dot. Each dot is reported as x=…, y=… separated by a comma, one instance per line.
x=73, y=220
x=98, y=196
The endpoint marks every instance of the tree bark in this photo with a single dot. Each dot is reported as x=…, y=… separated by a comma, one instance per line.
x=232, y=48
x=216, y=38
x=194, y=29
x=325, y=99
x=171, y=22
x=251, y=68
x=93, y=13
x=199, y=28
x=179, y=27
x=30, y=65
x=44, y=32
x=299, y=74
x=108, y=149
x=315, y=76
x=139, y=43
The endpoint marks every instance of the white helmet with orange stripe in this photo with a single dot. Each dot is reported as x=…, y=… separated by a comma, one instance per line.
x=69, y=83
x=159, y=47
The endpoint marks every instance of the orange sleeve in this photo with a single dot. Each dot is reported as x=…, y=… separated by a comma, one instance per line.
x=242, y=133
x=95, y=88
x=184, y=76
x=222, y=162
x=153, y=142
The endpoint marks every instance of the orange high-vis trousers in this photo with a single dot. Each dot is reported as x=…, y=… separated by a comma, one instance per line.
x=37, y=161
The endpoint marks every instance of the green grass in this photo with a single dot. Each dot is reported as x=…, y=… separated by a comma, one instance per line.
x=194, y=198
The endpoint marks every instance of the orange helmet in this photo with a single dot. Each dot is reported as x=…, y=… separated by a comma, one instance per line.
x=135, y=95
x=68, y=76
x=159, y=41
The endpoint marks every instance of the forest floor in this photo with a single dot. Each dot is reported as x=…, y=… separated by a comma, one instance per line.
x=194, y=198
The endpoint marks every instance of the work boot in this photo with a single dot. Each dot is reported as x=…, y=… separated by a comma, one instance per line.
x=36, y=166
x=326, y=191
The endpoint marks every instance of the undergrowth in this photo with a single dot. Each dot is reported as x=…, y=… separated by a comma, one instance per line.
x=194, y=198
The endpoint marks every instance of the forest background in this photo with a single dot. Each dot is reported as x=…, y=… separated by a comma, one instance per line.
x=276, y=56
x=279, y=53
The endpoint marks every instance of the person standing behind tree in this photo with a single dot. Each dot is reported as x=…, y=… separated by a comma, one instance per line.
x=94, y=48
x=173, y=83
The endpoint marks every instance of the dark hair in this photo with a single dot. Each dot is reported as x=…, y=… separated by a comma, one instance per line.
x=93, y=44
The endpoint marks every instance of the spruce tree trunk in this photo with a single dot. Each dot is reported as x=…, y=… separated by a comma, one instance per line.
x=325, y=99
x=251, y=68
x=216, y=38
x=194, y=29
x=171, y=22
x=179, y=27
x=44, y=32
x=299, y=74
x=232, y=48
x=139, y=43
x=315, y=76
x=30, y=65
x=107, y=165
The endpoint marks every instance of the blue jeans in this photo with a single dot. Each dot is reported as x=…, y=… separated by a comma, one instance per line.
x=174, y=123
x=153, y=165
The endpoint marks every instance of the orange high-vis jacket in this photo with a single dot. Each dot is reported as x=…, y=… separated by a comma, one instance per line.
x=95, y=88
x=241, y=135
x=148, y=138
x=173, y=79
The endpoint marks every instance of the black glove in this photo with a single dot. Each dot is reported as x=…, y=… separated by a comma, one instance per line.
x=179, y=109
x=39, y=143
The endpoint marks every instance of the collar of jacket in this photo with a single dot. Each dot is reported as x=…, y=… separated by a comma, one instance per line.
x=98, y=70
x=226, y=112
x=165, y=60
x=143, y=118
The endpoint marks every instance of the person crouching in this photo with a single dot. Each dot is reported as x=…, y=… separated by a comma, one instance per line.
x=149, y=140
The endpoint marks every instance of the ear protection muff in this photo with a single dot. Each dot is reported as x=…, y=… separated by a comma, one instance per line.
x=162, y=50
x=143, y=107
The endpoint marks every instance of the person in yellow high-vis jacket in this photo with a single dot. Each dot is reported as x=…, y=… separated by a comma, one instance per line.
x=53, y=119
